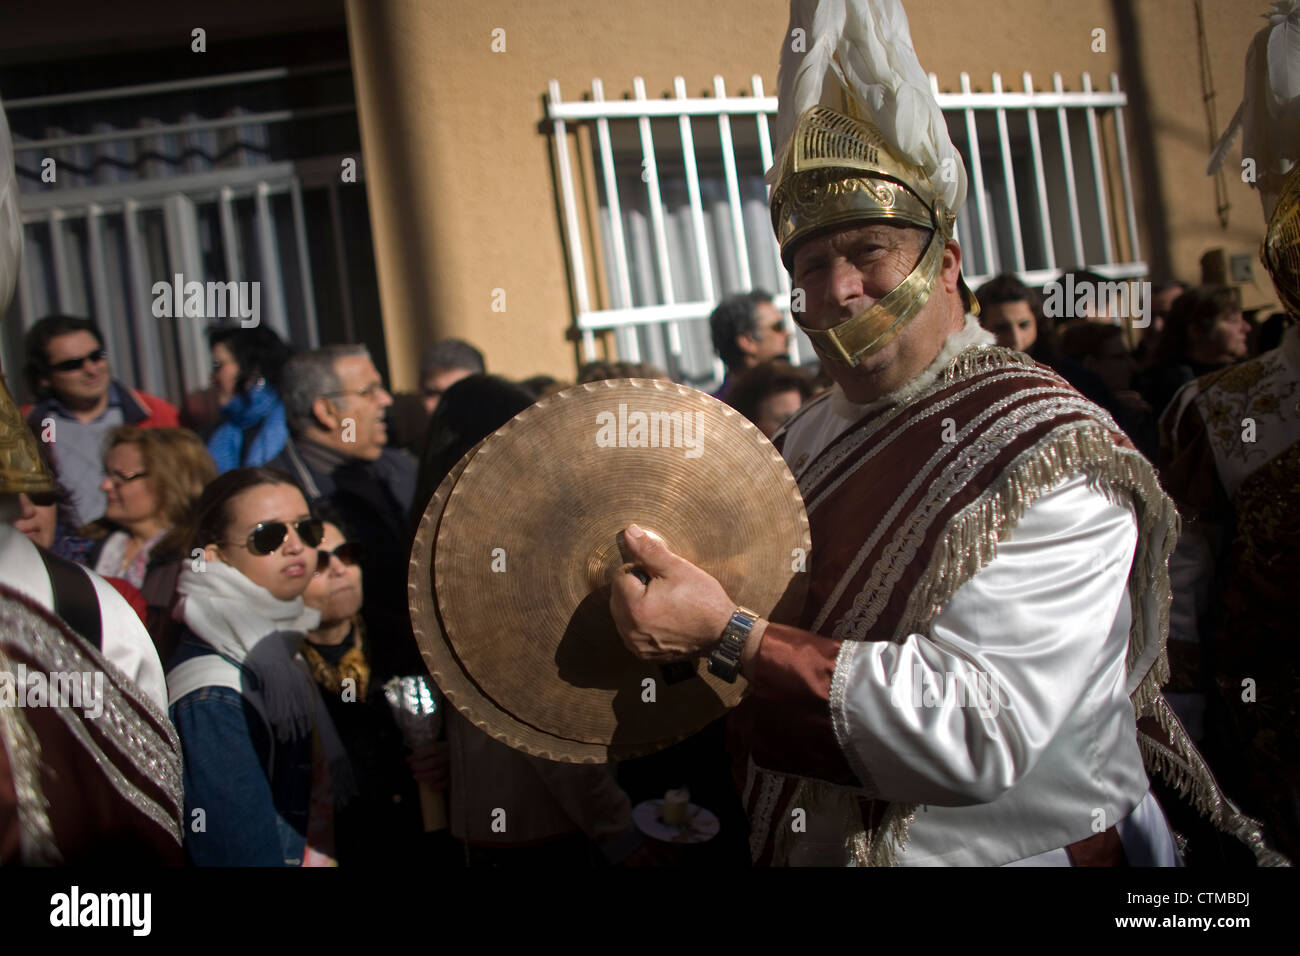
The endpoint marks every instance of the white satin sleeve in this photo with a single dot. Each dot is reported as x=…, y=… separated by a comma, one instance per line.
x=959, y=715
x=127, y=643
x=124, y=640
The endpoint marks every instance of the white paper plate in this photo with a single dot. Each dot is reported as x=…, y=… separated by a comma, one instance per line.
x=700, y=826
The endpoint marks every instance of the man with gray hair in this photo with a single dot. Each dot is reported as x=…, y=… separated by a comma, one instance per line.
x=442, y=365
x=334, y=403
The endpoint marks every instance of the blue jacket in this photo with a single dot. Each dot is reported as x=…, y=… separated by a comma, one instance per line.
x=254, y=792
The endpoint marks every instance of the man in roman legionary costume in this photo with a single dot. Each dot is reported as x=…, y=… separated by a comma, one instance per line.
x=1230, y=448
x=984, y=626
x=90, y=766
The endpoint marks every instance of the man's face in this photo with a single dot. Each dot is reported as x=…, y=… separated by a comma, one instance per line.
x=770, y=338
x=1013, y=323
x=437, y=381
x=360, y=430
x=86, y=384
x=846, y=272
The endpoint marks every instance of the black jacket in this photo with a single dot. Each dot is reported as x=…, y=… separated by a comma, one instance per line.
x=373, y=498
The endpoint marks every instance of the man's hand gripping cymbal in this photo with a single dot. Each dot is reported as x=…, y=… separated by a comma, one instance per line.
x=679, y=612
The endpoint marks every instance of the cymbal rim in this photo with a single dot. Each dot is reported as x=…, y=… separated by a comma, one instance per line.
x=481, y=471
x=458, y=687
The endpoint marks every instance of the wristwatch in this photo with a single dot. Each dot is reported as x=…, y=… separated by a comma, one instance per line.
x=724, y=660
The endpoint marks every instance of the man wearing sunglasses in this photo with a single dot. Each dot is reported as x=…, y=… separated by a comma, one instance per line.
x=336, y=407
x=747, y=329
x=67, y=370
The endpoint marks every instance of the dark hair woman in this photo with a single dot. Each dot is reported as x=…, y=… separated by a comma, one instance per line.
x=262, y=760
x=1203, y=332
x=246, y=366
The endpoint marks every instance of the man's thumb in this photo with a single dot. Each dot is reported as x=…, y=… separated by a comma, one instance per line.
x=647, y=549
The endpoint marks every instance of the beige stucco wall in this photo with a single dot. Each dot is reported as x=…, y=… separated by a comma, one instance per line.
x=1155, y=51
x=459, y=165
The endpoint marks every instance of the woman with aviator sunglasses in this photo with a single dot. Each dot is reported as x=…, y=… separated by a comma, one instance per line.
x=263, y=761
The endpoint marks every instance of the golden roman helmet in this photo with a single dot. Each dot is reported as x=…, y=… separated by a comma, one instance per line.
x=862, y=139
x=21, y=468
x=840, y=170
x=1281, y=250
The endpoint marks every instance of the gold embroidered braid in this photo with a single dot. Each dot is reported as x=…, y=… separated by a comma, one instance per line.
x=1092, y=446
x=37, y=846
x=969, y=544
x=351, y=666
x=970, y=539
x=131, y=725
x=1185, y=770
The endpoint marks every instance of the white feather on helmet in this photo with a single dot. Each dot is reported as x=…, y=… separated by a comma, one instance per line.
x=1268, y=116
x=859, y=59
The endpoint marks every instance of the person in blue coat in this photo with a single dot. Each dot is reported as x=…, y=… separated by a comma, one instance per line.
x=246, y=366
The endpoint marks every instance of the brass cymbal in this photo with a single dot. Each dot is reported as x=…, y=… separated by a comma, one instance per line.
x=521, y=539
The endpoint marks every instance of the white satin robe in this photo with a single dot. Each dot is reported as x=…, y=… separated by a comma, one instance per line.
x=1039, y=750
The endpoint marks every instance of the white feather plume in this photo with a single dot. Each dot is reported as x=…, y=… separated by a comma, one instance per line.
x=862, y=50
x=1268, y=117
x=806, y=61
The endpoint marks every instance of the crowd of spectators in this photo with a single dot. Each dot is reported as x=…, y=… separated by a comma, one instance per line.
x=287, y=504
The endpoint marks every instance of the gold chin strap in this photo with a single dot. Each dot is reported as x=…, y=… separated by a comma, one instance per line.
x=870, y=331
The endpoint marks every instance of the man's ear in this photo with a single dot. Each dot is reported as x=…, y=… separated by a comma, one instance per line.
x=324, y=412
x=213, y=553
x=747, y=344
x=950, y=267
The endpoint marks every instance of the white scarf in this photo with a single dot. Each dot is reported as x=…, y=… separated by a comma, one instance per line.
x=248, y=625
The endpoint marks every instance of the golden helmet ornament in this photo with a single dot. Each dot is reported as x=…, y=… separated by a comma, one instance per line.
x=862, y=140
x=21, y=468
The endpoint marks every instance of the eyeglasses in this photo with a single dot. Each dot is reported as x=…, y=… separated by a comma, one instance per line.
x=371, y=391
x=267, y=537
x=75, y=364
x=120, y=478
x=349, y=553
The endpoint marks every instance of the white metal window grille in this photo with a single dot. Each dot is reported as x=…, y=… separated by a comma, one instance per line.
x=680, y=206
x=202, y=198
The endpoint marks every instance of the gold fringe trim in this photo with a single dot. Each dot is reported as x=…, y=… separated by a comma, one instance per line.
x=970, y=544
x=1186, y=771
x=36, y=843
x=971, y=539
x=882, y=846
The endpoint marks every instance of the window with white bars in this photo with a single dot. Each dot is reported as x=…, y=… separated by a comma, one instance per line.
x=226, y=177
x=682, y=220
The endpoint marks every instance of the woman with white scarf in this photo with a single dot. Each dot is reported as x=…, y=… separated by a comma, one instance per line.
x=264, y=768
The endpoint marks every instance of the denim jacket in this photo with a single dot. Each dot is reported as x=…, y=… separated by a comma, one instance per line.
x=252, y=790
